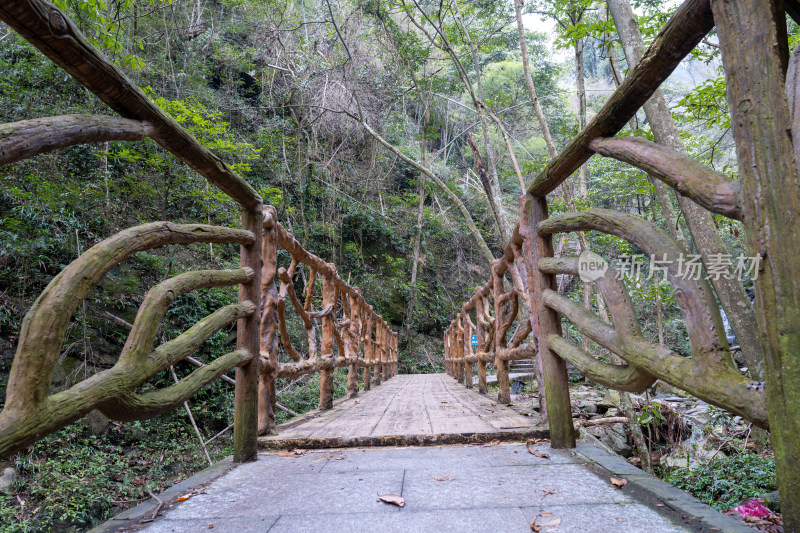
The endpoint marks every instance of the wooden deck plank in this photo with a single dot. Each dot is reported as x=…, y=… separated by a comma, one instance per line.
x=416, y=408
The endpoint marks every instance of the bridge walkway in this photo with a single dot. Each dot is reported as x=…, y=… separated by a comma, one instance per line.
x=418, y=409
x=325, y=472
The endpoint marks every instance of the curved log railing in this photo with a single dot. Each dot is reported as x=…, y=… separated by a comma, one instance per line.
x=765, y=198
x=348, y=322
x=352, y=334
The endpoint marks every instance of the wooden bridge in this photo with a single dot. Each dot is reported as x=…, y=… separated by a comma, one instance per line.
x=445, y=488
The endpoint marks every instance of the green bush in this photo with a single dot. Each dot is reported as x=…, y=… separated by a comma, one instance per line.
x=73, y=479
x=726, y=481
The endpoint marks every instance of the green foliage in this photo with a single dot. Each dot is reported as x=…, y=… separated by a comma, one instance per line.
x=71, y=479
x=707, y=103
x=725, y=482
x=304, y=396
x=103, y=24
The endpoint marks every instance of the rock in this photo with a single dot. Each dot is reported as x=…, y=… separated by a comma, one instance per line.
x=695, y=451
x=772, y=501
x=585, y=407
x=698, y=416
x=96, y=421
x=614, y=436
x=8, y=479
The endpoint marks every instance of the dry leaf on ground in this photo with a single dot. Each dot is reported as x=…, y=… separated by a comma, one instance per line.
x=618, y=481
x=495, y=442
x=184, y=497
x=394, y=499
x=548, y=491
x=551, y=523
x=287, y=454
x=300, y=451
x=443, y=478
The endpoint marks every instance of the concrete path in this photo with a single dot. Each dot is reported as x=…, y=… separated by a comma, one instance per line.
x=407, y=409
x=498, y=488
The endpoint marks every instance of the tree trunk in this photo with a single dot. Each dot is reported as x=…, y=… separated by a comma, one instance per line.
x=662, y=191
x=581, y=84
x=494, y=193
x=418, y=235
x=526, y=68
x=771, y=191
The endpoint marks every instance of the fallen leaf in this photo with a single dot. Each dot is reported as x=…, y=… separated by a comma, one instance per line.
x=300, y=451
x=184, y=497
x=495, y=442
x=394, y=499
x=553, y=522
x=661, y=505
x=618, y=481
x=548, y=492
x=443, y=478
x=534, y=526
x=287, y=454
x=210, y=526
x=546, y=514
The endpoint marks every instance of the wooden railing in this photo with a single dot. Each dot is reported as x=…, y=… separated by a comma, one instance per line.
x=766, y=198
x=32, y=412
x=493, y=321
x=352, y=334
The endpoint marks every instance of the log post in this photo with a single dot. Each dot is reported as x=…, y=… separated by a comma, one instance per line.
x=245, y=418
x=385, y=351
x=545, y=322
x=367, y=338
x=501, y=366
x=326, y=345
x=268, y=349
x=447, y=351
x=750, y=39
x=481, y=335
x=468, y=374
x=459, y=350
x=376, y=352
x=353, y=346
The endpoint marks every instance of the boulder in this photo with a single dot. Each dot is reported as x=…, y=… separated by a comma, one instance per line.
x=96, y=421
x=584, y=407
x=7, y=479
x=695, y=451
x=614, y=436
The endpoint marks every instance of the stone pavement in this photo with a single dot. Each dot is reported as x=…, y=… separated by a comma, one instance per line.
x=498, y=488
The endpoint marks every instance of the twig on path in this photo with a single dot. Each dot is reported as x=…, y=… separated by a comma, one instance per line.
x=158, y=507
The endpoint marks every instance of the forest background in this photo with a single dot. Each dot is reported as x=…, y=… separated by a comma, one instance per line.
x=380, y=130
